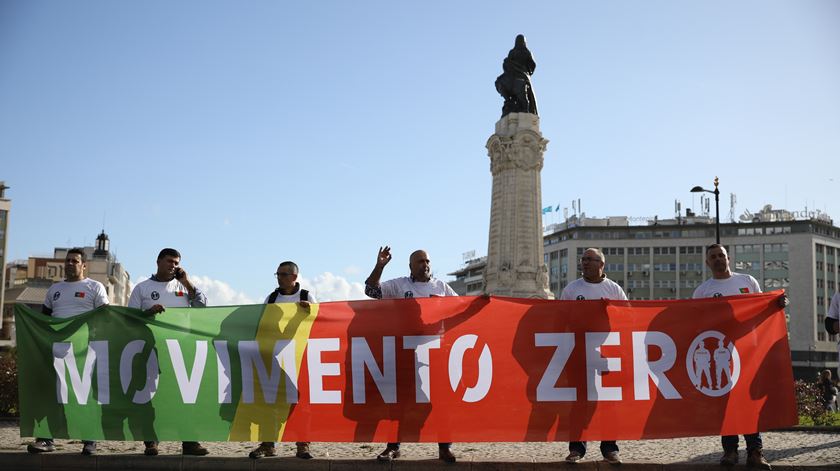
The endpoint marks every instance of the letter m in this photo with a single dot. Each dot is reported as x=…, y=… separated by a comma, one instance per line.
x=64, y=363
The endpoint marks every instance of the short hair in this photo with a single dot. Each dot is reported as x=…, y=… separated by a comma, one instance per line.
x=291, y=264
x=79, y=251
x=599, y=252
x=169, y=252
x=715, y=246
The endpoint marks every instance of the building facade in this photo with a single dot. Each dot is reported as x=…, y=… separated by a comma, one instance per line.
x=666, y=260
x=5, y=207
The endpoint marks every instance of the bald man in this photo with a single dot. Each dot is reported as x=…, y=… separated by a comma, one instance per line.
x=419, y=284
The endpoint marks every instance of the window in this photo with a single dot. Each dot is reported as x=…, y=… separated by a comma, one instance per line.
x=820, y=265
x=776, y=265
x=744, y=265
x=614, y=267
x=665, y=267
x=664, y=250
x=775, y=248
x=613, y=250
x=691, y=266
x=638, y=251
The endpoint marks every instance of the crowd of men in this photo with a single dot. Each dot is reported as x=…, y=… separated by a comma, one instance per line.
x=170, y=286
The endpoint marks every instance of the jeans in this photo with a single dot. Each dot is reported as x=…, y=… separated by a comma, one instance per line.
x=730, y=442
x=606, y=447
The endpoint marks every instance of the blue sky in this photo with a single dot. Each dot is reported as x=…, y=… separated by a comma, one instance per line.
x=247, y=133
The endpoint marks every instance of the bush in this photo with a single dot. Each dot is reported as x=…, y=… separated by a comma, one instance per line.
x=8, y=384
x=809, y=405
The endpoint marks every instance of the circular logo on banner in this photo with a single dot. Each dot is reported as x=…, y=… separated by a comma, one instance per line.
x=155, y=295
x=713, y=365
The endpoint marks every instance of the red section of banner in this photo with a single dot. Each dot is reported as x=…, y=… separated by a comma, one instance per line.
x=539, y=370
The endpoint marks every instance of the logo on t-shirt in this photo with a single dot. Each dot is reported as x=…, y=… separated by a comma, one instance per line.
x=580, y=297
x=56, y=295
x=155, y=295
x=408, y=294
x=179, y=293
x=79, y=294
x=744, y=290
x=717, y=295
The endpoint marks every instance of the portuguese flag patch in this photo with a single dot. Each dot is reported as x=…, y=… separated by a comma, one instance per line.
x=744, y=290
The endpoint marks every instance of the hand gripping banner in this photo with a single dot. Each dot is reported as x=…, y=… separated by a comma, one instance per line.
x=433, y=370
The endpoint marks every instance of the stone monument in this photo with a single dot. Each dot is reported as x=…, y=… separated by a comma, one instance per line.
x=515, y=261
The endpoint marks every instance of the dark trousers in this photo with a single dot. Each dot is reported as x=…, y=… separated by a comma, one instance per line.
x=730, y=442
x=606, y=447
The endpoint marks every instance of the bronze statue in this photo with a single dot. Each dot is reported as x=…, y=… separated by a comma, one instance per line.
x=515, y=82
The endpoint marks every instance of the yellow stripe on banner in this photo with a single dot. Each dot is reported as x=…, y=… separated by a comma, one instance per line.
x=263, y=421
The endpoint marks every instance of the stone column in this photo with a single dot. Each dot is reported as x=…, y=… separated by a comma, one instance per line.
x=515, y=265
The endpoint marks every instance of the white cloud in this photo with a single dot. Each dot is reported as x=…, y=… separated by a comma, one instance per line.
x=329, y=287
x=220, y=293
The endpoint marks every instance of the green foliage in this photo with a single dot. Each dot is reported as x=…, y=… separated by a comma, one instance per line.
x=810, y=405
x=8, y=384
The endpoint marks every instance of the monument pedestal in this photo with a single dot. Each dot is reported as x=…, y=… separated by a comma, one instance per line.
x=515, y=264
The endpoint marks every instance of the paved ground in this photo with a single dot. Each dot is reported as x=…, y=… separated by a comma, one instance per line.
x=781, y=448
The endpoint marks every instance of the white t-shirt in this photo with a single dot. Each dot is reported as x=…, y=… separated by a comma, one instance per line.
x=71, y=298
x=834, y=308
x=404, y=287
x=170, y=293
x=582, y=289
x=291, y=298
x=736, y=284
x=834, y=311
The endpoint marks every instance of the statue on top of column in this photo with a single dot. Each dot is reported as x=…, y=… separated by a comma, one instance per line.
x=515, y=82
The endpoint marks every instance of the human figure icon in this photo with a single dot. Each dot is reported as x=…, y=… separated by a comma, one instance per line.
x=702, y=363
x=722, y=357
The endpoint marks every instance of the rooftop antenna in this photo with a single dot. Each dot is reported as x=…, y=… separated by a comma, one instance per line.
x=732, y=201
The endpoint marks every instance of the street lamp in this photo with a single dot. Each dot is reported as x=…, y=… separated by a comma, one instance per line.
x=699, y=189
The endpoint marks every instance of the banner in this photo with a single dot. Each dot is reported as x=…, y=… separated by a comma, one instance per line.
x=433, y=370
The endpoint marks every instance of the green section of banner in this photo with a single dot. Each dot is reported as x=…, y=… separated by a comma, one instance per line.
x=104, y=356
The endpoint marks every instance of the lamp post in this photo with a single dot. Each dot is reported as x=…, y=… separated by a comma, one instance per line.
x=699, y=189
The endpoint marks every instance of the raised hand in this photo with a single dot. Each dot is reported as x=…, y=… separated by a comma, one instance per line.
x=384, y=256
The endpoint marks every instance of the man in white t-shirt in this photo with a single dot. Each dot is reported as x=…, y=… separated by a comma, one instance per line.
x=726, y=283
x=288, y=291
x=71, y=297
x=419, y=284
x=168, y=287
x=832, y=319
x=593, y=285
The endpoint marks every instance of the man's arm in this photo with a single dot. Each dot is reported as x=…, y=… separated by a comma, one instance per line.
x=832, y=320
x=372, y=286
x=196, y=297
x=47, y=306
x=101, y=296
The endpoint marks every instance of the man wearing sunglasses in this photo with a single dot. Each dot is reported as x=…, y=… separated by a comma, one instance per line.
x=288, y=291
x=593, y=285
